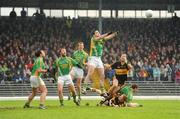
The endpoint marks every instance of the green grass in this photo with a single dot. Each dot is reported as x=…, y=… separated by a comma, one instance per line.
x=152, y=109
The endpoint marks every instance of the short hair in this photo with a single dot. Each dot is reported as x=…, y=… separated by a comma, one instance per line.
x=80, y=42
x=134, y=86
x=61, y=49
x=37, y=53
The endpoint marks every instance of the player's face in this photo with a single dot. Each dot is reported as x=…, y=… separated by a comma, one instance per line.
x=81, y=46
x=43, y=53
x=63, y=52
x=123, y=58
x=135, y=90
x=96, y=33
x=121, y=98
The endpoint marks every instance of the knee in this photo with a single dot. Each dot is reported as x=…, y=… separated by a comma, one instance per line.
x=34, y=94
x=45, y=91
x=60, y=91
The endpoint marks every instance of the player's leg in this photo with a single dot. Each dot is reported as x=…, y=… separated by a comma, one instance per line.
x=34, y=84
x=101, y=76
x=77, y=75
x=60, y=91
x=133, y=105
x=78, y=84
x=115, y=84
x=72, y=74
x=30, y=98
x=43, y=90
x=72, y=88
x=91, y=69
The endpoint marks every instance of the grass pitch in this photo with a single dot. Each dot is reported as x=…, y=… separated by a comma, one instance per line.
x=152, y=109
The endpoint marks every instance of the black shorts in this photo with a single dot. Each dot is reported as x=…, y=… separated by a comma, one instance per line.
x=121, y=81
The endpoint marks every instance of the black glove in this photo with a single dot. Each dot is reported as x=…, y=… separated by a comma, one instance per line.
x=109, y=33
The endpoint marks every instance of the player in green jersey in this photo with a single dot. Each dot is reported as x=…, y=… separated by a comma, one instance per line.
x=36, y=82
x=77, y=73
x=94, y=60
x=64, y=65
x=128, y=91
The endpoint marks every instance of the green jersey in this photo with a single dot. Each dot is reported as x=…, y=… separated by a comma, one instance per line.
x=39, y=63
x=96, y=48
x=127, y=90
x=80, y=57
x=64, y=65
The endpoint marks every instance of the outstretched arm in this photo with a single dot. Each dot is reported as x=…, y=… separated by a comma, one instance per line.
x=101, y=36
x=111, y=36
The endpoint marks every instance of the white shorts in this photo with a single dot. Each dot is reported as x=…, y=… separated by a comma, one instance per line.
x=65, y=80
x=77, y=72
x=95, y=61
x=36, y=81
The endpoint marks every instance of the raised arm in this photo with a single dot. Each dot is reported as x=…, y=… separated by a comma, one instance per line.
x=101, y=36
x=110, y=36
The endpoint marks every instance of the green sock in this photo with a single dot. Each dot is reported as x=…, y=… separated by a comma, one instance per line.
x=74, y=97
x=61, y=101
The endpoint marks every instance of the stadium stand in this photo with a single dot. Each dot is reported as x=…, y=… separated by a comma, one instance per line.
x=151, y=44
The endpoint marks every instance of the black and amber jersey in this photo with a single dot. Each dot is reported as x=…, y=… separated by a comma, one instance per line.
x=121, y=70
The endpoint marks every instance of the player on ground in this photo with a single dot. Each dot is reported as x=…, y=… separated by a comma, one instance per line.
x=94, y=60
x=122, y=98
x=64, y=65
x=36, y=82
x=77, y=73
x=128, y=92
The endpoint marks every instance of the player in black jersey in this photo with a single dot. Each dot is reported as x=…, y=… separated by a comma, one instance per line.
x=121, y=68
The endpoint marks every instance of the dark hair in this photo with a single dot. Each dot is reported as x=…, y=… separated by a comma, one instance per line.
x=37, y=53
x=80, y=42
x=134, y=86
x=61, y=49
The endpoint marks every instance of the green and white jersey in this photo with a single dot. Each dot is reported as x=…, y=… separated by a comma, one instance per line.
x=64, y=65
x=39, y=63
x=80, y=57
x=96, y=48
x=127, y=90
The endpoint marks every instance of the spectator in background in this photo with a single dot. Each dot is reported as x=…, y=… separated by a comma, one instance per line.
x=23, y=13
x=177, y=76
x=147, y=41
x=156, y=72
x=13, y=14
x=169, y=72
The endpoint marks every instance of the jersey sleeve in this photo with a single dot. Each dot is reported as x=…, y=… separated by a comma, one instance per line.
x=73, y=56
x=72, y=61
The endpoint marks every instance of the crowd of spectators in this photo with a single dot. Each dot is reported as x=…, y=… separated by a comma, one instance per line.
x=151, y=44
